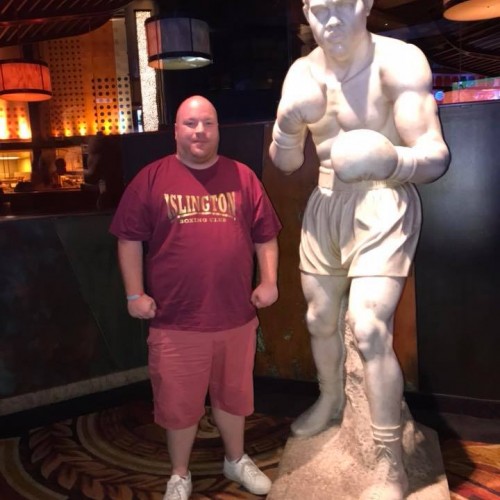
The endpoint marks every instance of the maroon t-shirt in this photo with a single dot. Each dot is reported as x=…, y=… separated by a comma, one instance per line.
x=200, y=227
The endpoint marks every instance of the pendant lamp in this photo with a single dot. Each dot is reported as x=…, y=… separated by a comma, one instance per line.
x=471, y=10
x=24, y=80
x=177, y=43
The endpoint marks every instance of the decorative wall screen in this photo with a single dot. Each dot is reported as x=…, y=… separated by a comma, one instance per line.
x=90, y=83
x=14, y=120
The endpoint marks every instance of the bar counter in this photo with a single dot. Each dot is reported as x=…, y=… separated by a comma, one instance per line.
x=64, y=328
x=53, y=201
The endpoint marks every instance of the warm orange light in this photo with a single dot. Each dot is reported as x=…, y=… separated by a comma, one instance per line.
x=4, y=129
x=24, y=129
x=471, y=10
x=23, y=80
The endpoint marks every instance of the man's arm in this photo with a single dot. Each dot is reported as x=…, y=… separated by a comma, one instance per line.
x=266, y=293
x=130, y=258
x=424, y=156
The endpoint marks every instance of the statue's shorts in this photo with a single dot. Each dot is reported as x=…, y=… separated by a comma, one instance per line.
x=183, y=366
x=367, y=228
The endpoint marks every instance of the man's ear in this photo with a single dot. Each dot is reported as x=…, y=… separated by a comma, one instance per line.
x=368, y=6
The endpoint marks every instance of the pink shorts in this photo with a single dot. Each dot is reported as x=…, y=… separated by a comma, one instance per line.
x=183, y=366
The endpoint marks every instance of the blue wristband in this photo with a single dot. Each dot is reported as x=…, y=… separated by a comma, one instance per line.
x=134, y=297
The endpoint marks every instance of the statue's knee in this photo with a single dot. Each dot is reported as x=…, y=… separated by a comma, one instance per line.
x=370, y=336
x=319, y=327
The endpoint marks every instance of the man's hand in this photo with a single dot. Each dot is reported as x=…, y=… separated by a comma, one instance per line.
x=264, y=295
x=142, y=308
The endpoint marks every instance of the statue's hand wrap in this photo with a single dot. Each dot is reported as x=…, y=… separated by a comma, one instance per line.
x=284, y=140
x=407, y=165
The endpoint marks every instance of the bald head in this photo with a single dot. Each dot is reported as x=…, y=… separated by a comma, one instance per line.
x=197, y=132
x=195, y=102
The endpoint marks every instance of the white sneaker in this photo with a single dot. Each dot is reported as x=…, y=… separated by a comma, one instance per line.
x=246, y=473
x=178, y=488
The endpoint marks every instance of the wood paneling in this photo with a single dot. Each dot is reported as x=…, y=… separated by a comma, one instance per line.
x=287, y=352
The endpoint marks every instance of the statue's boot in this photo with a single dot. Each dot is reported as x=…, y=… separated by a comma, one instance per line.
x=390, y=481
x=329, y=407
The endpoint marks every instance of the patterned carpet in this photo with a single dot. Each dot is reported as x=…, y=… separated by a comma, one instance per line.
x=119, y=454
x=472, y=469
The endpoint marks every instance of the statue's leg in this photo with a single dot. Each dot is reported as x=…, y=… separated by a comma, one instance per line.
x=390, y=481
x=372, y=304
x=324, y=295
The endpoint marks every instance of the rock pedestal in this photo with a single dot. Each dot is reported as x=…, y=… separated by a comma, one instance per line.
x=339, y=462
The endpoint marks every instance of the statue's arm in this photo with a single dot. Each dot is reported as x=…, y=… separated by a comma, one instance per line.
x=423, y=156
x=303, y=101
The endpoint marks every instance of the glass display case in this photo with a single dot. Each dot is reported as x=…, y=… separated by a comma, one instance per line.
x=41, y=181
x=15, y=168
x=55, y=168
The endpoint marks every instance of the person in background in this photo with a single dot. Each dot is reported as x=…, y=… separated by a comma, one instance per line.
x=367, y=103
x=42, y=175
x=60, y=169
x=204, y=217
x=104, y=172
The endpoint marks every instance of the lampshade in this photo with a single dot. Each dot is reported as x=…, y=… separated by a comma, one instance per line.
x=177, y=43
x=471, y=10
x=24, y=80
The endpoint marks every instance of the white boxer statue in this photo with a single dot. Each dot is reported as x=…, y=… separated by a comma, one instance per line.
x=367, y=103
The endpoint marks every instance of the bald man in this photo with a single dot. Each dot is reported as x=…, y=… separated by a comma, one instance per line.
x=204, y=217
x=366, y=101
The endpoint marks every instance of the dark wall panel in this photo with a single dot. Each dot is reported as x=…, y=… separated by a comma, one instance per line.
x=457, y=261
x=241, y=142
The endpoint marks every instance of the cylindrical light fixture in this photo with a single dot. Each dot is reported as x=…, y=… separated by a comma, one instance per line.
x=24, y=80
x=177, y=43
x=471, y=10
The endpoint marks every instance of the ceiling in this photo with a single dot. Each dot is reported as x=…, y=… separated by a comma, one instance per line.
x=464, y=47
x=472, y=47
x=24, y=22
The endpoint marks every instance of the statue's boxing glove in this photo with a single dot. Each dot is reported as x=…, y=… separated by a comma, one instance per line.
x=360, y=155
x=303, y=102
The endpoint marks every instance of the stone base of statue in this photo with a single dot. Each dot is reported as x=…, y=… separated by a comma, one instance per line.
x=339, y=462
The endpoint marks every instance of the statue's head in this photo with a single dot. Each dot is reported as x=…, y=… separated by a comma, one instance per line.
x=368, y=4
x=338, y=25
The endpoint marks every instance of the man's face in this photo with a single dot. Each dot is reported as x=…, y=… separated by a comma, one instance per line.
x=196, y=132
x=337, y=25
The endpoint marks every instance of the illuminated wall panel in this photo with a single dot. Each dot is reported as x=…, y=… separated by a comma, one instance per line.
x=14, y=120
x=70, y=104
x=91, y=89
x=123, y=121
x=147, y=75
